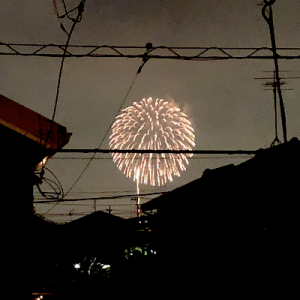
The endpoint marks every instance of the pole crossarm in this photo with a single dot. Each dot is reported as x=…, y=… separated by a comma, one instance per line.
x=214, y=152
x=161, y=52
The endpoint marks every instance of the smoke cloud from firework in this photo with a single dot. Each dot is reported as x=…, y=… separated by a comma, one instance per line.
x=152, y=125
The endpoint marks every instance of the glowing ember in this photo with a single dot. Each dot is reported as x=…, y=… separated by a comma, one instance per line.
x=152, y=125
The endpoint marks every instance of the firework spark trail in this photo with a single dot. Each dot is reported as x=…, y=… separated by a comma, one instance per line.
x=152, y=125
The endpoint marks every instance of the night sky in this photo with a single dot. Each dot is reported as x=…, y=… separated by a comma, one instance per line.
x=229, y=109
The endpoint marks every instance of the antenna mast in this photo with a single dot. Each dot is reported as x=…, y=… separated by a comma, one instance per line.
x=267, y=9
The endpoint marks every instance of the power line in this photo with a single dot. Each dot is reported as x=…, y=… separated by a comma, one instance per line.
x=78, y=19
x=136, y=158
x=211, y=152
x=75, y=21
x=100, y=144
x=99, y=198
x=138, y=151
x=159, y=52
x=89, y=205
x=145, y=59
x=214, y=152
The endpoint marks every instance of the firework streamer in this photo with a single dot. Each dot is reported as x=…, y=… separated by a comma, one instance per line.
x=152, y=125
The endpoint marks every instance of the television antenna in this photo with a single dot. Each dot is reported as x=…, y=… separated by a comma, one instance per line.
x=273, y=85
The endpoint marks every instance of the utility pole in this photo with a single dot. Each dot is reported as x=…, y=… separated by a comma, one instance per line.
x=138, y=208
x=269, y=19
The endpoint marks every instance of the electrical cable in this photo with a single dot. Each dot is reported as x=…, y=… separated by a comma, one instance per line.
x=100, y=144
x=191, y=158
x=55, y=185
x=100, y=198
x=67, y=12
x=49, y=195
x=60, y=185
x=49, y=208
x=78, y=19
x=160, y=189
x=80, y=8
x=89, y=204
x=145, y=59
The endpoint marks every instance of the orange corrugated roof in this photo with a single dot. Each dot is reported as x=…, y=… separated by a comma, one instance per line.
x=31, y=124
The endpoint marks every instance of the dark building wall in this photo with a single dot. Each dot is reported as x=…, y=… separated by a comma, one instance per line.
x=22, y=132
x=16, y=250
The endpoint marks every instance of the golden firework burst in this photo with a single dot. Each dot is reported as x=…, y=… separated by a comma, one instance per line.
x=152, y=125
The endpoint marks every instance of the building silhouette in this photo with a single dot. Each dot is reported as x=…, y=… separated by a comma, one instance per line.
x=25, y=142
x=237, y=225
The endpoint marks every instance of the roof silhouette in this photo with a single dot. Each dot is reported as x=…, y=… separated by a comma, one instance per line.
x=99, y=232
x=262, y=187
x=101, y=220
